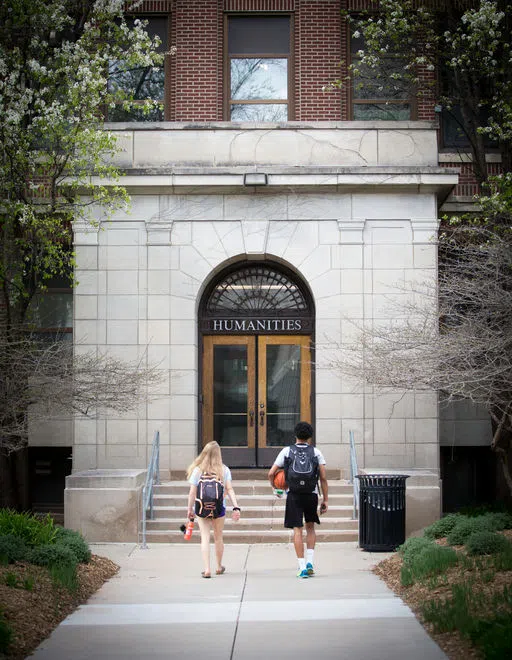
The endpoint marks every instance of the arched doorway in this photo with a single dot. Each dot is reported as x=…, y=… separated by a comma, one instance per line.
x=256, y=324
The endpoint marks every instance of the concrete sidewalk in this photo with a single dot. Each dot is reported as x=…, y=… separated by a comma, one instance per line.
x=158, y=606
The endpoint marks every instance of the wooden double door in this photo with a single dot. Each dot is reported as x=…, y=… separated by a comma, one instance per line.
x=254, y=391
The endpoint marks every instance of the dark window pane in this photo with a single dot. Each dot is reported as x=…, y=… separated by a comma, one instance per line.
x=382, y=111
x=255, y=35
x=452, y=132
x=256, y=112
x=230, y=395
x=140, y=83
x=156, y=27
x=259, y=78
x=52, y=310
x=453, y=135
x=378, y=83
x=283, y=393
x=136, y=114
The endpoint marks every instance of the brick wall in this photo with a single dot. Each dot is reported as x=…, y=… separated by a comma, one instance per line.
x=317, y=60
x=467, y=186
x=195, y=91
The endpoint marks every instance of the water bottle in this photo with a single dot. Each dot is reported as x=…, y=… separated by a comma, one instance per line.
x=279, y=492
x=188, y=530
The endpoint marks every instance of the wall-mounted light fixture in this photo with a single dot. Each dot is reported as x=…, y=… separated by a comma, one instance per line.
x=255, y=179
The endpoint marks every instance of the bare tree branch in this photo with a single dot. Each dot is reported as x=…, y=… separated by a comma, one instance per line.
x=43, y=379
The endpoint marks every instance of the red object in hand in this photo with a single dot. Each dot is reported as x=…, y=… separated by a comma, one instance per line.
x=188, y=530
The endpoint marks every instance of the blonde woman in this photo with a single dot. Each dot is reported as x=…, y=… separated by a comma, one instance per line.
x=210, y=462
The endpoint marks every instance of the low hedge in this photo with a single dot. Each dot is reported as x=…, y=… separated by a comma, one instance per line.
x=467, y=526
x=12, y=549
x=52, y=555
x=75, y=542
x=443, y=527
x=486, y=543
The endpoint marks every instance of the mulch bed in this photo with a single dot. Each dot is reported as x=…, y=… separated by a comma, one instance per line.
x=416, y=595
x=35, y=614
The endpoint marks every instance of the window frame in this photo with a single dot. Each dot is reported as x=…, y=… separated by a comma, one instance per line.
x=411, y=100
x=166, y=66
x=227, y=56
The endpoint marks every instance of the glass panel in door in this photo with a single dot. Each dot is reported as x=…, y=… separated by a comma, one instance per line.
x=228, y=397
x=284, y=391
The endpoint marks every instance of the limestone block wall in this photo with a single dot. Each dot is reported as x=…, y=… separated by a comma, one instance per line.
x=141, y=276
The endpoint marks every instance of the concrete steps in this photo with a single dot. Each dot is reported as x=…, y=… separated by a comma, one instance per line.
x=262, y=513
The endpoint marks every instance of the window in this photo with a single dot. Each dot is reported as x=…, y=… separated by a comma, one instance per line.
x=140, y=83
x=258, y=68
x=375, y=95
x=453, y=133
x=51, y=311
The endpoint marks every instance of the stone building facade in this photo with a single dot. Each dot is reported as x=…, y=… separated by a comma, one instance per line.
x=262, y=230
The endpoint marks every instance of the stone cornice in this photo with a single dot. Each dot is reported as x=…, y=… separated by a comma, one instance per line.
x=338, y=179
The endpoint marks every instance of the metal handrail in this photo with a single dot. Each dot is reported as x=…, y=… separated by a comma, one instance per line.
x=353, y=472
x=152, y=478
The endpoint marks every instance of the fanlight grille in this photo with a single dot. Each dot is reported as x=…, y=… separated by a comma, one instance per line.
x=255, y=291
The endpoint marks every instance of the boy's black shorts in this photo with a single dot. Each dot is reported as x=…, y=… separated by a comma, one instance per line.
x=301, y=507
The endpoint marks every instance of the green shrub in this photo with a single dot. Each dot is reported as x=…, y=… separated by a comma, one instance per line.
x=28, y=527
x=75, y=542
x=431, y=560
x=413, y=546
x=10, y=579
x=12, y=548
x=467, y=526
x=503, y=560
x=28, y=583
x=447, y=615
x=494, y=636
x=486, y=543
x=52, y=555
x=6, y=634
x=64, y=575
x=499, y=521
x=442, y=527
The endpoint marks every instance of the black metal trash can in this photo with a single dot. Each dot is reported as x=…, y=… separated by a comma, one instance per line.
x=381, y=511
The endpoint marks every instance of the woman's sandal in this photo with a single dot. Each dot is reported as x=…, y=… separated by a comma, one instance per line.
x=221, y=570
x=205, y=574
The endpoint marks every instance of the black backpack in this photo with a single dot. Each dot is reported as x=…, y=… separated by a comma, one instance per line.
x=301, y=469
x=209, y=496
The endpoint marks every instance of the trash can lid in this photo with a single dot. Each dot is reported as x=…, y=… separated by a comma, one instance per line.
x=382, y=480
x=380, y=474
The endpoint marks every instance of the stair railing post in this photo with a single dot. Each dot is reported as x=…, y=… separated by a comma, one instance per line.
x=152, y=477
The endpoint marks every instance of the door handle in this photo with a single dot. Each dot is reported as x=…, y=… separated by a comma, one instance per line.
x=251, y=417
x=262, y=417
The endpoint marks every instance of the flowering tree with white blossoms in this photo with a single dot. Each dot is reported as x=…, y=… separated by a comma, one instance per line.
x=55, y=57
x=467, y=42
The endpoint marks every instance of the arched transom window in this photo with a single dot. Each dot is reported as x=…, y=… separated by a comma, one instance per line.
x=257, y=291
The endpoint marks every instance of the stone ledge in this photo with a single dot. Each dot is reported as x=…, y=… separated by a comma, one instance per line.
x=417, y=477
x=271, y=126
x=106, y=478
